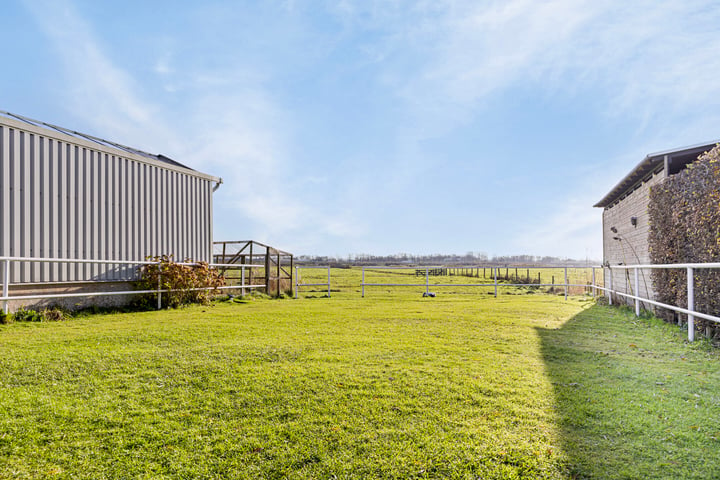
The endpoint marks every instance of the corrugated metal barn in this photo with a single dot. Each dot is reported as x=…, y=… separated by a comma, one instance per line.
x=64, y=194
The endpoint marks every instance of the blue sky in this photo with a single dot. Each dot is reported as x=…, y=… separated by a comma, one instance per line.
x=353, y=127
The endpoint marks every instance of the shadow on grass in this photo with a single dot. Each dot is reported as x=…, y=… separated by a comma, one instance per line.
x=632, y=398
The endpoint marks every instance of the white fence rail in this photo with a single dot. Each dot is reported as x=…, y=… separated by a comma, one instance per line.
x=689, y=311
x=494, y=274
x=297, y=279
x=8, y=261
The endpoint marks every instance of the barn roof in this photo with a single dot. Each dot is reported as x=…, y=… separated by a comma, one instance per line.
x=104, y=143
x=653, y=162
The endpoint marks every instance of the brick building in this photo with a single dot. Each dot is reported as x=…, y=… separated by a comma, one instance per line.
x=625, y=215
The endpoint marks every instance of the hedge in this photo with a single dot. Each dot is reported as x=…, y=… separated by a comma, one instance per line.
x=684, y=213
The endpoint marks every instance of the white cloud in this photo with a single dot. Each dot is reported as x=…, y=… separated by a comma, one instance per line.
x=228, y=125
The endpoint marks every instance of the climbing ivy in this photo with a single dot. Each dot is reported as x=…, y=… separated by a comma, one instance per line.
x=684, y=212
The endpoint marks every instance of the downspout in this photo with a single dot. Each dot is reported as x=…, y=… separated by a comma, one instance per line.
x=217, y=185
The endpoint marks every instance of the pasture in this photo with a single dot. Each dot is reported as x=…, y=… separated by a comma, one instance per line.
x=387, y=386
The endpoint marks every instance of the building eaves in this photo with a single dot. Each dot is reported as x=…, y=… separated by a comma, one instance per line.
x=649, y=165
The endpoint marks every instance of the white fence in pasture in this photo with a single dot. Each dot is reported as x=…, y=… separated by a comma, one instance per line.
x=591, y=285
x=690, y=308
x=298, y=268
x=8, y=262
x=494, y=275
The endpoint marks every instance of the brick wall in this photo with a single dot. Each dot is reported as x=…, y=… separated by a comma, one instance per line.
x=633, y=246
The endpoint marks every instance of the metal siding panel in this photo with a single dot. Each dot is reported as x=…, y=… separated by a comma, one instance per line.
x=36, y=196
x=209, y=246
x=203, y=223
x=142, y=212
x=16, y=213
x=61, y=206
x=154, y=226
x=173, y=224
x=163, y=212
x=197, y=218
x=88, y=212
x=26, y=205
x=133, y=195
x=5, y=213
x=102, y=210
x=115, y=213
x=79, y=212
x=72, y=210
x=45, y=251
x=53, y=210
x=182, y=201
x=95, y=210
x=169, y=197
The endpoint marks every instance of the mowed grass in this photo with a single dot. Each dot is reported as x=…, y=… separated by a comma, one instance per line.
x=390, y=386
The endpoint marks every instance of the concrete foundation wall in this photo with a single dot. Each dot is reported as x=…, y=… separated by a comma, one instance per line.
x=70, y=303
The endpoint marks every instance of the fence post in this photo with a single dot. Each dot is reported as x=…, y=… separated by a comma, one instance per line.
x=691, y=303
x=610, y=287
x=6, y=284
x=427, y=280
x=593, y=282
x=242, y=280
x=297, y=281
x=495, y=275
x=363, y=282
x=159, y=295
x=267, y=271
x=566, y=284
x=637, y=293
x=328, y=282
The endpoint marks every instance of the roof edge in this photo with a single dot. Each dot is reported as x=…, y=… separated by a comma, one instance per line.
x=60, y=133
x=647, y=166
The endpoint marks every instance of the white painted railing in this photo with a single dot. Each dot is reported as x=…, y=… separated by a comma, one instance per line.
x=7, y=261
x=495, y=276
x=297, y=279
x=689, y=311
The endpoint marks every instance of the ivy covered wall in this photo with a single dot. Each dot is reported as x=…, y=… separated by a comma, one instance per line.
x=684, y=216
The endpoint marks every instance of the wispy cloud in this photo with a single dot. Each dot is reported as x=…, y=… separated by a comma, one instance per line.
x=227, y=124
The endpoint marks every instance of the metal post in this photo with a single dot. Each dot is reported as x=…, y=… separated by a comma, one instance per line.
x=593, y=282
x=566, y=284
x=610, y=287
x=242, y=280
x=159, y=295
x=297, y=281
x=427, y=280
x=637, y=293
x=363, y=282
x=6, y=284
x=495, y=276
x=691, y=303
x=328, y=282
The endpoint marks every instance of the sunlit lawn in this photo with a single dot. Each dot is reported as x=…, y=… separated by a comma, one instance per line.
x=389, y=386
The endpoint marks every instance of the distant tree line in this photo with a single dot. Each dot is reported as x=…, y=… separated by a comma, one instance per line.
x=470, y=258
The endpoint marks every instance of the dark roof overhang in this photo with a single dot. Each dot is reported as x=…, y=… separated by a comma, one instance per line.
x=651, y=164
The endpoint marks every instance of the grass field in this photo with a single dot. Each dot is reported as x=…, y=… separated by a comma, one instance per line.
x=389, y=386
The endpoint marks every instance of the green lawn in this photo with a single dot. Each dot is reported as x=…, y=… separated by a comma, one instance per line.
x=389, y=386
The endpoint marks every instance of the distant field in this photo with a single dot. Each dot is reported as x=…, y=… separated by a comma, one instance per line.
x=389, y=386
